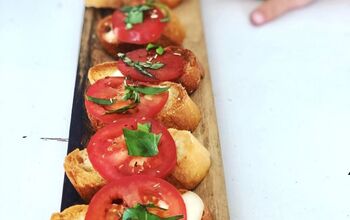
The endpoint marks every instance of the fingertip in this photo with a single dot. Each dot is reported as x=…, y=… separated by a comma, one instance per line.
x=257, y=18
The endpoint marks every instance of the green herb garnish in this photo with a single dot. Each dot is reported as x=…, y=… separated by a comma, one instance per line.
x=141, y=66
x=147, y=90
x=140, y=212
x=159, y=49
x=101, y=101
x=135, y=14
x=122, y=109
x=141, y=142
x=133, y=92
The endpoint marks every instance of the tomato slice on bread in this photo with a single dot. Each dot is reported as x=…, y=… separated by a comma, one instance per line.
x=109, y=153
x=113, y=88
x=149, y=30
x=172, y=62
x=119, y=197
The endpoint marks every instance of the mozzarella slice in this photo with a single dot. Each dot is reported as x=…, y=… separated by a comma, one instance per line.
x=194, y=205
x=117, y=73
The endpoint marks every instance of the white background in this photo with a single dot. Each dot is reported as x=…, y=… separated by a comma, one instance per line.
x=282, y=99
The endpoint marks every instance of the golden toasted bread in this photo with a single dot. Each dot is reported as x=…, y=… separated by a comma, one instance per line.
x=193, y=159
x=179, y=112
x=76, y=212
x=192, y=165
x=118, y=3
x=82, y=175
x=190, y=79
x=173, y=34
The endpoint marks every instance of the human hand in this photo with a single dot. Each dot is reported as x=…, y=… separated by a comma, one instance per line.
x=271, y=9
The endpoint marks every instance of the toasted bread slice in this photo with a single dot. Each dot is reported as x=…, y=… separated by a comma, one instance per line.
x=118, y=3
x=173, y=34
x=190, y=79
x=193, y=162
x=82, y=175
x=193, y=159
x=179, y=112
x=76, y=212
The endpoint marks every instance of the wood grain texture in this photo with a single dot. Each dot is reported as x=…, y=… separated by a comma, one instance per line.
x=212, y=189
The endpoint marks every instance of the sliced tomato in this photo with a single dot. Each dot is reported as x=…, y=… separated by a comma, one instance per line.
x=115, y=197
x=108, y=152
x=173, y=68
x=113, y=87
x=148, y=31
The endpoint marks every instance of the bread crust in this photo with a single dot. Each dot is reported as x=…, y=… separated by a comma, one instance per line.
x=76, y=212
x=173, y=34
x=179, y=112
x=85, y=179
x=103, y=3
x=101, y=71
x=192, y=165
x=118, y=3
x=190, y=79
x=193, y=159
x=192, y=72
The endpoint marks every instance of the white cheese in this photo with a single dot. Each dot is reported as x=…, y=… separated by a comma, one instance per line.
x=117, y=73
x=110, y=37
x=194, y=205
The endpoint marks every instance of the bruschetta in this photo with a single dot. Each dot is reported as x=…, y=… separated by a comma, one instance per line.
x=139, y=197
x=191, y=165
x=119, y=3
x=154, y=64
x=135, y=26
x=113, y=98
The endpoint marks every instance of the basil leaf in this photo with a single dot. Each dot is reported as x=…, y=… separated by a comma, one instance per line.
x=141, y=66
x=101, y=101
x=131, y=95
x=141, y=69
x=140, y=212
x=165, y=9
x=147, y=90
x=122, y=109
x=151, y=46
x=160, y=50
x=134, y=14
x=141, y=142
x=156, y=66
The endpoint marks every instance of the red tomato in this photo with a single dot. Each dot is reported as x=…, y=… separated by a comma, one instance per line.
x=113, y=87
x=173, y=65
x=148, y=31
x=109, y=155
x=111, y=201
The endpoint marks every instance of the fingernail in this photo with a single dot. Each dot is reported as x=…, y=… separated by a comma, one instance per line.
x=258, y=18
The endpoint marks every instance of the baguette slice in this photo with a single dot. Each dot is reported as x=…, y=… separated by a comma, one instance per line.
x=179, y=112
x=193, y=163
x=118, y=3
x=173, y=34
x=193, y=159
x=190, y=79
x=85, y=179
x=78, y=212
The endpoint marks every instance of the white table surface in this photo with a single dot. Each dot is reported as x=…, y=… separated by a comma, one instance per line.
x=282, y=100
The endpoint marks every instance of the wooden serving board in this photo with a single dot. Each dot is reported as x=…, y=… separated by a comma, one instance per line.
x=212, y=190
